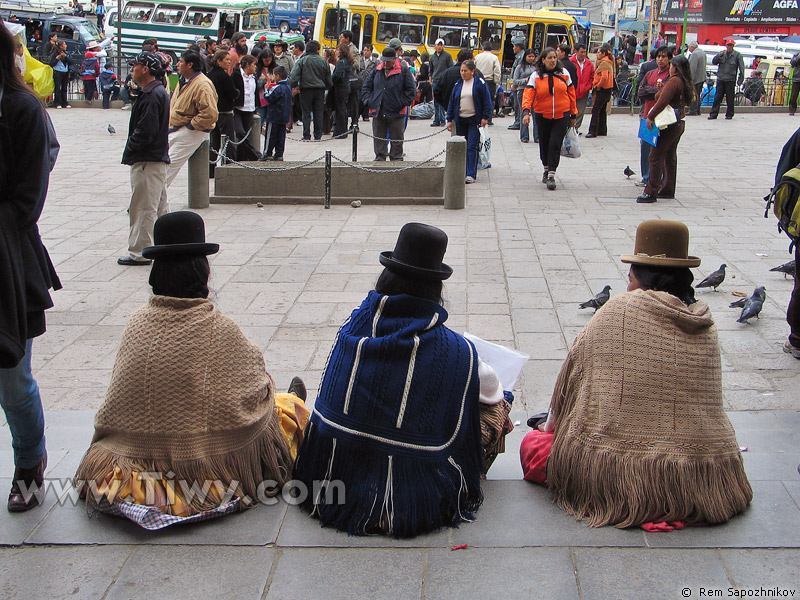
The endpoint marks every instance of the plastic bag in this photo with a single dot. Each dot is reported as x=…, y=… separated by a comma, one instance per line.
x=506, y=362
x=571, y=147
x=484, y=149
x=421, y=111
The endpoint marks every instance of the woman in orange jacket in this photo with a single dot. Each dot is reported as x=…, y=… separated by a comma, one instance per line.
x=551, y=94
x=601, y=91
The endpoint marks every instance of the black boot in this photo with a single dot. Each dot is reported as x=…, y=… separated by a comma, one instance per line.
x=27, y=488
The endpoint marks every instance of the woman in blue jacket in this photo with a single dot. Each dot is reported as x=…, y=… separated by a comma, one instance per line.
x=470, y=108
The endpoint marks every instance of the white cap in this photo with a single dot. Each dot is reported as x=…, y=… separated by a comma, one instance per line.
x=439, y=41
x=491, y=392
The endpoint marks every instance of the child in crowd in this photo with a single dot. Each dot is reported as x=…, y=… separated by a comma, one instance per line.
x=279, y=113
x=109, y=84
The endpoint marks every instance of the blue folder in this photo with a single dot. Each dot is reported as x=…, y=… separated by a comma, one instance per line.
x=648, y=135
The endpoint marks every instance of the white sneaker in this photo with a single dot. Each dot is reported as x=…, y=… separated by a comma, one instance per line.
x=469, y=179
x=68, y=106
x=58, y=108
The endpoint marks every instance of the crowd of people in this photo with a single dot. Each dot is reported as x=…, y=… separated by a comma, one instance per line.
x=409, y=416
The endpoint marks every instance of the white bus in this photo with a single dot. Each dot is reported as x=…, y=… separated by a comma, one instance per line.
x=176, y=24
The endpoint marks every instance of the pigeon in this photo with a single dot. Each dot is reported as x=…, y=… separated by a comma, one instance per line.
x=753, y=304
x=627, y=172
x=715, y=279
x=599, y=299
x=785, y=268
x=738, y=303
x=111, y=130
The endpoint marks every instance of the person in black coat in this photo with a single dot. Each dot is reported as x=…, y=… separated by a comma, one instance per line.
x=341, y=76
x=61, y=63
x=388, y=92
x=226, y=96
x=28, y=151
x=147, y=153
x=244, y=107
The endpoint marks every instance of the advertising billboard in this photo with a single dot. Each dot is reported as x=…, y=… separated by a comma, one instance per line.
x=721, y=12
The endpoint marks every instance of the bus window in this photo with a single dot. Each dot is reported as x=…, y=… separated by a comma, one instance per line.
x=514, y=30
x=355, y=27
x=308, y=6
x=255, y=18
x=137, y=11
x=492, y=31
x=369, y=25
x=556, y=34
x=409, y=28
x=198, y=16
x=332, y=28
x=166, y=13
x=453, y=30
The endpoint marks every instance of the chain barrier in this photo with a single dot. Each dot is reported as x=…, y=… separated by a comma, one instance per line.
x=273, y=169
x=424, y=137
x=381, y=171
x=244, y=137
x=218, y=154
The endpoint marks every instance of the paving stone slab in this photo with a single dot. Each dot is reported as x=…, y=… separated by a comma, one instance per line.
x=345, y=574
x=519, y=514
x=762, y=525
x=59, y=573
x=16, y=527
x=610, y=573
x=189, y=571
x=508, y=573
x=767, y=569
x=70, y=524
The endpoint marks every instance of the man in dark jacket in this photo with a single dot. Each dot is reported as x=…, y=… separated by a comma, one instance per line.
x=564, y=51
x=147, y=153
x=439, y=62
x=244, y=107
x=312, y=75
x=730, y=63
x=388, y=92
x=28, y=150
x=795, y=63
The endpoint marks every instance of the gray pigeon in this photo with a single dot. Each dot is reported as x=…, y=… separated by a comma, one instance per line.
x=715, y=279
x=599, y=299
x=111, y=130
x=785, y=268
x=628, y=172
x=738, y=303
x=753, y=304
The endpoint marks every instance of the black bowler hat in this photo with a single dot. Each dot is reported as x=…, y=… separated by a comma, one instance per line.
x=180, y=233
x=418, y=252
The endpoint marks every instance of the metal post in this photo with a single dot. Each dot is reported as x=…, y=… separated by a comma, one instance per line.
x=221, y=158
x=327, y=178
x=355, y=143
x=120, y=9
x=255, y=132
x=455, y=169
x=198, y=177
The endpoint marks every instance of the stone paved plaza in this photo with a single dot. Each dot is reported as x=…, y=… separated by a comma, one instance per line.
x=523, y=259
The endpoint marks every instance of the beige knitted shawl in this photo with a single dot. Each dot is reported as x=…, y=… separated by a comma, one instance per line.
x=191, y=395
x=640, y=432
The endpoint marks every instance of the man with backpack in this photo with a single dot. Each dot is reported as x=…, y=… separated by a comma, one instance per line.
x=790, y=160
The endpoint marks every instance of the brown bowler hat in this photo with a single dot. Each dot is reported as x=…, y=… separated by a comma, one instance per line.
x=661, y=243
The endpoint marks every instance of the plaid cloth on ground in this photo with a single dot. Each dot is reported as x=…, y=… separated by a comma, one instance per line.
x=152, y=519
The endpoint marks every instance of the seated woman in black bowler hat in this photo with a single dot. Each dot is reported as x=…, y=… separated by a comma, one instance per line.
x=408, y=418
x=191, y=426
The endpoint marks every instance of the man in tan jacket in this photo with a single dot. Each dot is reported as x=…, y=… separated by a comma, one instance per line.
x=192, y=114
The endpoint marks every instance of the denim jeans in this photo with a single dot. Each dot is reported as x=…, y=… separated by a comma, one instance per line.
x=469, y=128
x=19, y=397
x=644, y=161
x=439, y=114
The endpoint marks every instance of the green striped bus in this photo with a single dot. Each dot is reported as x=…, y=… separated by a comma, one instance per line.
x=176, y=24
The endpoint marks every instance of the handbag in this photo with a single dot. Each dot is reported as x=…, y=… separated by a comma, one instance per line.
x=666, y=118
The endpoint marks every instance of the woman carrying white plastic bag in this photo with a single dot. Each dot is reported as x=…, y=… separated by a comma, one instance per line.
x=469, y=109
x=550, y=94
x=571, y=147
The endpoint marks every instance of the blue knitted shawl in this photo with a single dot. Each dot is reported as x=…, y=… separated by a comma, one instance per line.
x=396, y=421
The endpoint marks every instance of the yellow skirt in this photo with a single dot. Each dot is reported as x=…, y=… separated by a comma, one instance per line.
x=144, y=489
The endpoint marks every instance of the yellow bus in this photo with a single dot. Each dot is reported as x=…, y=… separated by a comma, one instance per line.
x=419, y=24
